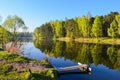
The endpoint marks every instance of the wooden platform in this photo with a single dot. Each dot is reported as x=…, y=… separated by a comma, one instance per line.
x=82, y=67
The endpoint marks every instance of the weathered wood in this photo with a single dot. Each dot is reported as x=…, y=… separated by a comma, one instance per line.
x=82, y=67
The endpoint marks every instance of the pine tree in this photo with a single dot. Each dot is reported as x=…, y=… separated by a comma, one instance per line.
x=113, y=30
x=97, y=27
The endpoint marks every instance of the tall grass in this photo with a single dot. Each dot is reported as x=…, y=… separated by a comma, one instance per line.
x=13, y=47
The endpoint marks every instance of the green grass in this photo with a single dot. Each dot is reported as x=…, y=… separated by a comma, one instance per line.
x=49, y=74
x=8, y=73
x=102, y=40
x=12, y=57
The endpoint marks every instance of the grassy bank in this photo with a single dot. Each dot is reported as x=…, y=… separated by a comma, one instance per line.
x=92, y=40
x=15, y=67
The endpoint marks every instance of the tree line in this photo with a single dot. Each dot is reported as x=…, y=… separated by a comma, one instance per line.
x=84, y=27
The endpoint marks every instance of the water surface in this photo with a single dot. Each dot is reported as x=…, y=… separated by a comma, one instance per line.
x=103, y=59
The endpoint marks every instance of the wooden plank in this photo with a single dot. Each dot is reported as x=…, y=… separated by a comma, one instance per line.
x=73, y=67
x=81, y=67
x=69, y=68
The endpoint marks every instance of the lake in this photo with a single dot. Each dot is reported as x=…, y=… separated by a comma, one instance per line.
x=102, y=58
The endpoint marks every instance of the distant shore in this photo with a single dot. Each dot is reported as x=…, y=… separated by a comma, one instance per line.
x=92, y=40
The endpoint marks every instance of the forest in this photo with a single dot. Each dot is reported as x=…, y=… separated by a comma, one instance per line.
x=81, y=27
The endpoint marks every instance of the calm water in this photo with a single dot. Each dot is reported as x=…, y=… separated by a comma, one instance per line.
x=103, y=59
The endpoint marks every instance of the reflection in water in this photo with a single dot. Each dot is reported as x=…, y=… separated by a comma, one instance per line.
x=108, y=55
x=69, y=73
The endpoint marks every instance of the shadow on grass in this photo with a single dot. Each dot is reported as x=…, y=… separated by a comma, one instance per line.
x=46, y=75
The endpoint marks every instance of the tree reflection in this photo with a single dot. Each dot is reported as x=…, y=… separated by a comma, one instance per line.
x=107, y=55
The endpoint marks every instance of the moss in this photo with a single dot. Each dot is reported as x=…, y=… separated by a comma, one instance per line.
x=48, y=74
x=12, y=57
x=26, y=75
x=4, y=68
x=7, y=72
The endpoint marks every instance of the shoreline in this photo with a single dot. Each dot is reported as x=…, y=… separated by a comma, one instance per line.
x=92, y=40
x=16, y=67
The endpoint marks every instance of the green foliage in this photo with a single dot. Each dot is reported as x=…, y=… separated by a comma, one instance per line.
x=111, y=52
x=45, y=31
x=4, y=35
x=84, y=53
x=97, y=27
x=96, y=50
x=36, y=33
x=7, y=72
x=4, y=68
x=58, y=28
x=78, y=22
x=113, y=30
x=13, y=23
x=12, y=57
x=71, y=29
x=85, y=26
x=107, y=20
x=118, y=21
x=48, y=74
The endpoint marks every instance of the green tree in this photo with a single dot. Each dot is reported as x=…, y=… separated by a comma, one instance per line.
x=78, y=22
x=113, y=30
x=46, y=31
x=107, y=20
x=97, y=27
x=71, y=28
x=36, y=33
x=13, y=23
x=4, y=35
x=118, y=21
x=85, y=26
x=59, y=29
x=52, y=23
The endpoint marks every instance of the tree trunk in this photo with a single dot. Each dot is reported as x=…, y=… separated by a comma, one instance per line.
x=14, y=34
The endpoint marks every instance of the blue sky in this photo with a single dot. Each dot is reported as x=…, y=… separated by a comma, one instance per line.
x=36, y=12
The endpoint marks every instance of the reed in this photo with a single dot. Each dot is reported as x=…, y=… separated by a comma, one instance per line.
x=14, y=48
